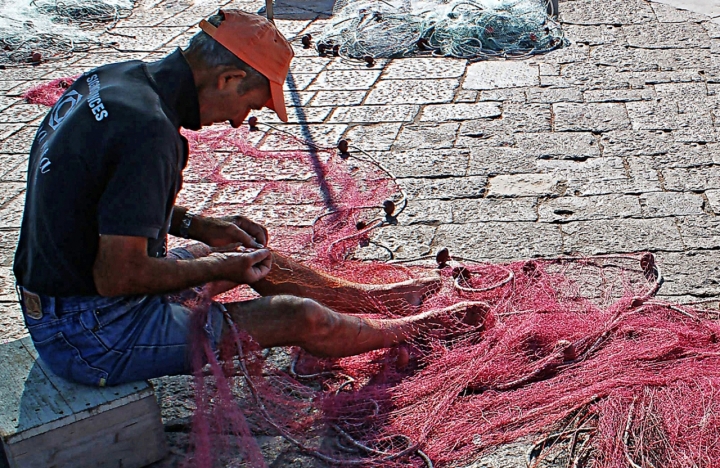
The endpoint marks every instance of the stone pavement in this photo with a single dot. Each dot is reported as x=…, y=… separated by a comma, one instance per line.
x=607, y=146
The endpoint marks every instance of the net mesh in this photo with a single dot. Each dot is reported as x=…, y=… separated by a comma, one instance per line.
x=575, y=353
x=32, y=31
x=472, y=29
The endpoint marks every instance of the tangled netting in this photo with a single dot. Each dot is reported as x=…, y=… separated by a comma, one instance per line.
x=32, y=31
x=573, y=354
x=471, y=29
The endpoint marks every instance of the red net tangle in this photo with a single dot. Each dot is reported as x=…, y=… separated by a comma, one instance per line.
x=574, y=356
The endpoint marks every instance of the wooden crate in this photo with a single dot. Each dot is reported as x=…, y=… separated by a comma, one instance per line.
x=46, y=421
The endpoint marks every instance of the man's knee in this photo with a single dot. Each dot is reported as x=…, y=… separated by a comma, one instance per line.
x=312, y=319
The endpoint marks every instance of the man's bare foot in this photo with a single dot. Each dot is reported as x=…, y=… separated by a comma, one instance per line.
x=411, y=292
x=444, y=323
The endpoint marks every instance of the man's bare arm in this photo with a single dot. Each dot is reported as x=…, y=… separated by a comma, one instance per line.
x=217, y=232
x=122, y=267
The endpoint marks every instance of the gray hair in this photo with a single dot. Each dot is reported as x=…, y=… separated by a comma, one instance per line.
x=211, y=54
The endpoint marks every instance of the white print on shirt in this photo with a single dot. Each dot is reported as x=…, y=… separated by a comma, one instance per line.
x=94, y=100
x=63, y=108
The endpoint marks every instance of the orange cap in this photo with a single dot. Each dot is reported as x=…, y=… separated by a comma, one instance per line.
x=257, y=42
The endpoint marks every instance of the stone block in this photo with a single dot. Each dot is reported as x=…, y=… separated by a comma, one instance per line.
x=672, y=14
x=534, y=118
x=406, y=241
x=595, y=35
x=484, y=134
x=661, y=204
x=344, y=80
x=424, y=68
x=654, y=35
x=526, y=185
x=323, y=135
x=553, y=95
x=445, y=112
x=620, y=235
x=142, y=39
x=338, y=98
x=501, y=74
x=429, y=136
x=12, y=210
x=594, y=117
x=8, y=244
x=466, y=95
x=297, y=81
x=568, y=209
x=513, y=95
x=413, y=91
x=616, y=12
x=692, y=178
x=12, y=324
x=10, y=190
x=7, y=129
x=480, y=210
x=196, y=195
x=700, y=232
x=377, y=137
x=425, y=162
x=8, y=163
x=494, y=241
x=374, y=114
x=294, y=98
x=713, y=197
x=489, y=161
x=619, y=95
x=622, y=143
x=428, y=212
x=443, y=189
x=563, y=145
x=694, y=272
x=683, y=156
x=20, y=142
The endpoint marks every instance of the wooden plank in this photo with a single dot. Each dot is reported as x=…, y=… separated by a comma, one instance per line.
x=130, y=436
x=81, y=401
x=27, y=398
x=82, y=397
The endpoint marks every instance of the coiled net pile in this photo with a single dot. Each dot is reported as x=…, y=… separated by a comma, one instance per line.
x=575, y=354
x=54, y=28
x=470, y=29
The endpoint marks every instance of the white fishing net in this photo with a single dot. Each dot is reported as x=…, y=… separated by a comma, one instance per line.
x=36, y=30
x=457, y=28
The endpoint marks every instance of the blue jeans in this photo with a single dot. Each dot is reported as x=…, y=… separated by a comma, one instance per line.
x=100, y=341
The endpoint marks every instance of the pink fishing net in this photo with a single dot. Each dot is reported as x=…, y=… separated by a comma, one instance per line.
x=573, y=354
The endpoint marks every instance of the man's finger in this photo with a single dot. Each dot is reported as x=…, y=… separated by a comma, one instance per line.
x=245, y=238
x=257, y=231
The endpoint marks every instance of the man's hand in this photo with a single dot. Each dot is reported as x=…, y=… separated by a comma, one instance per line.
x=242, y=265
x=218, y=232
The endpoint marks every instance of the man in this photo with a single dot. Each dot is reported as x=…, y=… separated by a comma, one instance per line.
x=105, y=168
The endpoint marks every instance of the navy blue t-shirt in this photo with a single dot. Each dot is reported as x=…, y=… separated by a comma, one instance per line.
x=107, y=159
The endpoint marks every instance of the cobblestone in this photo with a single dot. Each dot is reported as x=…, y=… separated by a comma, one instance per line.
x=620, y=235
x=592, y=117
x=424, y=68
x=373, y=114
x=426, y=162
x=565, y=145
x=493, y=209
x=413, y=91
x=663, y=204
x=445, y=112
x=443, y=189
x=526, y=185
x=435, y=136
x=568, y=209
x=500, y=241
x=496, y=74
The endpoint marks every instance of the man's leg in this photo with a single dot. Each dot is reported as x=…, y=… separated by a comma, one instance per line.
x=292, y=278
x=293, y=321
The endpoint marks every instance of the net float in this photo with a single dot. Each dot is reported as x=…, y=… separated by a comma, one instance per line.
x=343, y=146
x=306, y=41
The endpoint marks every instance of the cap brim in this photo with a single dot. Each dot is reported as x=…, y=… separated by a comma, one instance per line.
x=277, y=101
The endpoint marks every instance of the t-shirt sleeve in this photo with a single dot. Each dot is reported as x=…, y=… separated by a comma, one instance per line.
x=136, y=198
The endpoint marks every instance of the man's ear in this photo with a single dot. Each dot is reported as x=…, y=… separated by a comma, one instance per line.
x=230, y=78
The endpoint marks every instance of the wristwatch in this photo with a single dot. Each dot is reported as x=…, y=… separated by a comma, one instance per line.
x=185, y=225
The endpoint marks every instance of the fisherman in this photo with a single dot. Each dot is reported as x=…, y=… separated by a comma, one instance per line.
x=92, y=270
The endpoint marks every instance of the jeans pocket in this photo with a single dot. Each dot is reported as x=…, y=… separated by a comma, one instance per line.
x=65, y=360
